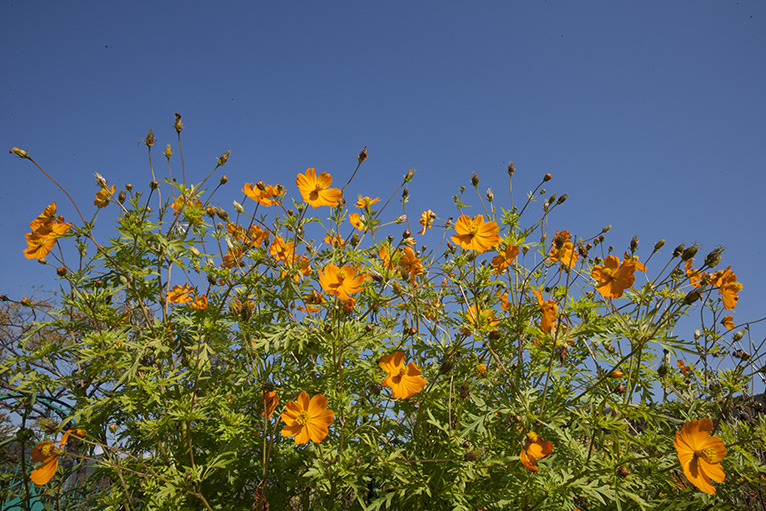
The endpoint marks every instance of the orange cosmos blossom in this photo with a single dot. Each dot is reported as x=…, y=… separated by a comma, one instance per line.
x=728, y=287
x=535, y=449
x=316, y=190
x=475, y=233
x=504, y=259
x=200, y=303
x=366, y=202
x=357, y=221
x=180, y=294
x=482, y=318
x=103, y=196
x=700, y=454
x=615, y=277
x=45, y=229
x=265, y=195
x=269, y=401
x=341, y=282
x=728, y=322
x=404, y=380
x=563, y=250
x=410, y=263
x=281, y=250
x=48, y=454
x=307, y=419
x=426, y=220
x=549, y=308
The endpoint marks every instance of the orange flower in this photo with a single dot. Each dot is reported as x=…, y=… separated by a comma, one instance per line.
x=307, y=420
x=45, y=229
x=46, y=218
x=481, y=369
x=728, y=287
x=567, y=253
x=475, y=234
x=281, y=250
x=535, y=449
x=404, y=380
x=38, y=246
x=332, y=238
x=48, y=454
x=728, y=322
x=265, y=195
x=357, y=221
x=504, y=259
x=269, y=400
x=482, y=318
x=182, y=202
x=685, y=369
x=386, y=258
x=410, y=263
x=257, y=236
x=348, y=306
x=700, y=454
x=316, y=190
x=366, y=202
x=616, y=373
x=695, y=276
x=233, y=258
x=504, y=303
x=341, y=282
x=181, y=294
x=427, y=220
x=103, y=196
x=614, y=277
x=200, y=303
x=549, y=308
x=312, y=301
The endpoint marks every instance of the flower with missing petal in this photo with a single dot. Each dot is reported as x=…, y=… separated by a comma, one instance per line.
x=685, y=369
x=549, y=308
x=475, y=234
x=48, y=454
x=307, y=419
x=103, y=196
x=357, y=221
x=341, y=282
x=700, y=454
x=410, y=263
x=426, y=220
x=504, y=259
x=316, y=190
x=404, y=380
x=366, y=202
x=728, y=322
x=535, y=449
x=728, y=287
x=265, y=195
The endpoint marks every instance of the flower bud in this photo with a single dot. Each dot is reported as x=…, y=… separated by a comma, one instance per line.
x=690, y=252
x=490, y=195
x=623, y=472
x=210, y=211
x=400, y=219
x=178, y=126
x=475, y=179
x=738, y=335
x=154, y=184
x=659, y=245
x=362, y=155
x=149, y=140
x=224, y=180
x=547, y=177
x=481, y=369
x=122, y=196
x=562, y=199
x=19, y=152
x=129, y=187
x=222, y=214
x=223, y=158
x=714, y=258
x=679, y=250
x=405, y=193
x=408, y=176
x=61, y=271
x=168, y=151
x=692, y=297
x=511, y=169
x=697, y=334
x=619, y=389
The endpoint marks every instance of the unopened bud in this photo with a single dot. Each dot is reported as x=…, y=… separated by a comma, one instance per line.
x=511, y=169
x=714, y=258
x=223, y=158
x=405, y=193
x=659, y=245
x=222, y=214
x=623, y=472
x=154, y=185
x=490, y=195
x=168, y=151
x=619, y=389
x=362, y=155
x=224, y=180
x=149, y=140
x=691, y=297
x=21, y=153
x=129, y=187
x=738, y=335
x=210, y=211
x=406, y=234
x=408, y=176
x=679, y=250
x=690, y=252
x=606, y=229
x=61, y=271
x=562, y=199
x=122, y=196
x=475, y=179
x=178, y=126
x=400, y=219
x=547, y=177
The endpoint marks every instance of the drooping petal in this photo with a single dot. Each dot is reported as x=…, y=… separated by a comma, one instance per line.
x=45, y=472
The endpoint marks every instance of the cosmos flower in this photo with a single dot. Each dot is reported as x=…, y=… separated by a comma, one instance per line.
x=563, y=250
x=475, y=234
x=265, y=195
x=307, y=419
x=535, y=449
x=504, y=259
x=48, y=454
x=316, y=190
x=341, y=282
x=728, y=322
x=366, y=202
x=404, y=380
x=269, y=401
x=426, y=220
x=103, y=196
x=614, y=277
x=549, y=308
x=181, y=294
x=700, y=454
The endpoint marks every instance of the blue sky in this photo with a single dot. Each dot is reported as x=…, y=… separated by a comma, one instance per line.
x=650, y=115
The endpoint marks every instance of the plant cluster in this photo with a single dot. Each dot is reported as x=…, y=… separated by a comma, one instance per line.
x=301, y=350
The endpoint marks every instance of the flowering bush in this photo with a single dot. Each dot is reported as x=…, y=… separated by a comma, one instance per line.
x=524, y=370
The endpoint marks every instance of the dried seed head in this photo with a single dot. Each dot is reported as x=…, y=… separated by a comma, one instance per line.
x=149, y=140
x=19, y=152
x=490, y=195
x=362, y=155
x=122, y=196
x=223, y=158
x=408, y=176
x=178, y=126
x=562, y=199
x=634, y=243
x=474, y=179
x=511, y=169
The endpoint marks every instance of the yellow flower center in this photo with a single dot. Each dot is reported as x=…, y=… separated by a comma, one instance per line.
x=607, y=272
x=532, y=436
x=403, y=371
x=708, y=454
x=341, y=274
x=303, y=418
x=473, y=229
x=46, y=450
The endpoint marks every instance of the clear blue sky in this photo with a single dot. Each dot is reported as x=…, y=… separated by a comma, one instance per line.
x=651, y=115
